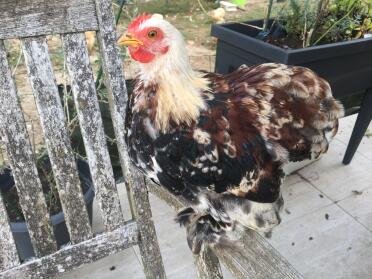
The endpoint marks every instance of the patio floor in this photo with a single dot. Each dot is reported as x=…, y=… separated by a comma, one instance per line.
x=326, y=230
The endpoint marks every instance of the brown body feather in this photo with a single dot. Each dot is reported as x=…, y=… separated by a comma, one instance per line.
x=291, y=106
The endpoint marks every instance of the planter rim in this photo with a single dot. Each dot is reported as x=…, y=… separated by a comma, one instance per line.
x=219, y=31
x=328, y=45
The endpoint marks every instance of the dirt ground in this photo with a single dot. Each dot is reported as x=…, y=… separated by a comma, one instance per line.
x=194, y=24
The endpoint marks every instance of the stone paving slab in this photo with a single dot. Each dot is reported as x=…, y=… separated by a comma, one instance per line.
x=325, y=232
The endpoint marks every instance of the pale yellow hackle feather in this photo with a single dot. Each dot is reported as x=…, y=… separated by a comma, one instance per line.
x=179, y=100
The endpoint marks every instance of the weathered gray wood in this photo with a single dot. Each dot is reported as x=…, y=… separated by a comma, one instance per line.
x=86, y=102
x=25, y=18
x=207, y=265
x=8, y=251
x=255, y=258
x=40, y=73
x=149, y=247
x=76, y=255
x=137, y=191
x=18, y=149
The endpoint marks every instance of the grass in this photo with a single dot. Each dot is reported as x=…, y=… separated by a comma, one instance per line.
x=189, y=17
x=171, y=6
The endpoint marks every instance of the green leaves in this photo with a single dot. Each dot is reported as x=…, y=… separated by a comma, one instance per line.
x=326, y=21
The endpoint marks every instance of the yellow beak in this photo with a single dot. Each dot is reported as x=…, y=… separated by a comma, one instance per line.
x=129, y=40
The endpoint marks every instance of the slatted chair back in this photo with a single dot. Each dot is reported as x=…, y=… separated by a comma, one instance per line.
x=31, y=21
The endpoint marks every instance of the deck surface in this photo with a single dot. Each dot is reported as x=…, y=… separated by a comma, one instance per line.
x=326, y=230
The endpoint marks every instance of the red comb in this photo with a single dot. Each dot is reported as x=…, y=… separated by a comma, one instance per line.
x=138, y=21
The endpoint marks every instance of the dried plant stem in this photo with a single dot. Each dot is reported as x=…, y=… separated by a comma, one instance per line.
x=33, y=136
x=334, y=24
x=304, y=33
x=203, y=9
x=2, y=159
x=18, y=61
x=65, y=96
x=322, y=4
x=266, y=21
x=249, y=25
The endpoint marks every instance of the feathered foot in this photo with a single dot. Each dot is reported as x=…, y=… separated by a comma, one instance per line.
x=206, y=223
x=203, y=229
x=209, y=222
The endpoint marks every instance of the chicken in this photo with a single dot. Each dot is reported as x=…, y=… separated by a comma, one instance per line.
x=218, y=15
x=221, y=141
x=91, y=39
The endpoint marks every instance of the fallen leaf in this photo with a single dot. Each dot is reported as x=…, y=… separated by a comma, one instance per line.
x=356, y=192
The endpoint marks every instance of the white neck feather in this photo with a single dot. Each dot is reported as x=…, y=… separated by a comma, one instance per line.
x=179, y=86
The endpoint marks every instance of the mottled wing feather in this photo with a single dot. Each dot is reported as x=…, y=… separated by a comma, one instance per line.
x=294, y=107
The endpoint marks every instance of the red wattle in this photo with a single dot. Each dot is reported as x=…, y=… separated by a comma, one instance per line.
x=141, y=55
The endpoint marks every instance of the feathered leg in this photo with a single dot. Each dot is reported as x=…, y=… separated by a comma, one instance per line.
x=212, y=219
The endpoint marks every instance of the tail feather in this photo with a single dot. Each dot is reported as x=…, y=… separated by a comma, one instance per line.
x=331, y=110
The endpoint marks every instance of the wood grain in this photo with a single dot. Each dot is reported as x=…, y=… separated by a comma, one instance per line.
x=207, y=264
x=8, y=251
x=73, y=256
x=21, y=159
x=86, y=103
x=41, y=77
x=24, y=18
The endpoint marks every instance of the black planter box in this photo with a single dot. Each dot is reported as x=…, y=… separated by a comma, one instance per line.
x=19, y=229
x=347, y=66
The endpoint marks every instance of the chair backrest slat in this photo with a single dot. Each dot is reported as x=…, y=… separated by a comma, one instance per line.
x=8, y=255
x=18, y=149
x=115, y=81
x=86, y=102
x=39, y=17
x=31, y=21
x=73, y=256
x=117, y=92
x=40, y=74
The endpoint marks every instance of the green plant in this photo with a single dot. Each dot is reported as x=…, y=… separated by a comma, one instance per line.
x=301, y=18
x=364, y=28
x=326, y=21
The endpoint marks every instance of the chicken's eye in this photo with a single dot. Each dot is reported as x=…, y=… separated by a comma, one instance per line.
x=152, y=34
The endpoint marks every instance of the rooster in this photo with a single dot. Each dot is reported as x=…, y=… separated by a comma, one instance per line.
x=221, y=141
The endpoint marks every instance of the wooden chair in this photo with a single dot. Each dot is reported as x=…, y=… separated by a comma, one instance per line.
x=31, y=21
x=255, y=258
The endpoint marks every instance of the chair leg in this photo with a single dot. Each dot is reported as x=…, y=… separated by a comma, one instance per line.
x=141, y=210
x=360, y=127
